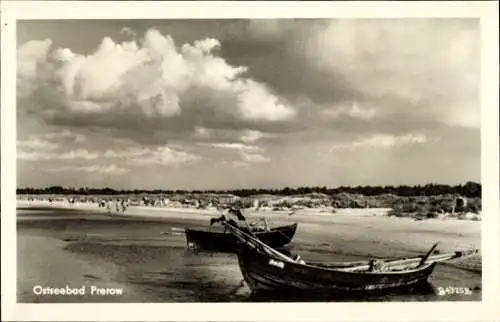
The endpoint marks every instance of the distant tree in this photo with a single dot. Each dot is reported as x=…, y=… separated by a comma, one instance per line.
x=469, y=190
x=472, y=189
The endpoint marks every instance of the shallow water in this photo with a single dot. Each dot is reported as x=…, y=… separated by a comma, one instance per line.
x=149, y=261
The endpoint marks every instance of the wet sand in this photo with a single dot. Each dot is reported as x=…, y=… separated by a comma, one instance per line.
x=143, y=252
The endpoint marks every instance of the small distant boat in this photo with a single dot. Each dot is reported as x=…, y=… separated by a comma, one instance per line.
x=225, y=241
x=267, y=270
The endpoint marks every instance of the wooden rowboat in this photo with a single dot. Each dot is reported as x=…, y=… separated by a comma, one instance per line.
x=266, y=270
x=225, y=241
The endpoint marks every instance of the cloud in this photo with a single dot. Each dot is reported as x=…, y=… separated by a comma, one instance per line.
x=382, y=141
x=248, y=153
x=34, y=156
x=42, y=147
x=78, y=138
x=30, y=55
x=269, y=29
x=203, y=133
x=198, y=93
x=37, y=143
x=353, y=110
x=161, y=155
x=251, y=136
x=151, y=78
x=254, y=157
x=107, y=169
x=129, y=153
x=257, y=103
x=424, y=72
x=79, y=154
x=164, y=156
x=234, y=164
x=247, y=136
x=427, y=64
x=231, y=146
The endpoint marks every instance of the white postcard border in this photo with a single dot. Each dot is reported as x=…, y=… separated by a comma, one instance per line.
x=486, y=310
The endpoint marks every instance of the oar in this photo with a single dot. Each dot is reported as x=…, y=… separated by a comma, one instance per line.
x=237, y=231
x=429, y=253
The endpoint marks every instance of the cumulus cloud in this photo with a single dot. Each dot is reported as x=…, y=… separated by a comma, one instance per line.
x=382, y=141
x=153, y=78
x=256, y=103
x=30, y=56
x=427, y=64
x=255, y=90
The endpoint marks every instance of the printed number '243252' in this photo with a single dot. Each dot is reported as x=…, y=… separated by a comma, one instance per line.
x=451, y=290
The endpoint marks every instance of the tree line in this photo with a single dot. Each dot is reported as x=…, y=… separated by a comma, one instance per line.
x=469, y=189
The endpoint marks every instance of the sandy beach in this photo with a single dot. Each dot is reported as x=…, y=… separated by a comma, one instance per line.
x=144, y=251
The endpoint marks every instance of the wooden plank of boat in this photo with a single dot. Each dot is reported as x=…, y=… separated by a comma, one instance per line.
x=224, y=241
x=265, y=274
x=267, y=270
x=415, y=260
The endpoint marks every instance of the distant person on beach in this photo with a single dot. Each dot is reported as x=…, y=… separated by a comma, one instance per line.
x=123, y=206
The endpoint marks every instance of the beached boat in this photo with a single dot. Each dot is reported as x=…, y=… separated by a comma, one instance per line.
x=267, y=270
x=225, y=242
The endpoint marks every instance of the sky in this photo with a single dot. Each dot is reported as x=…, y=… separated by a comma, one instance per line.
x=229, y=104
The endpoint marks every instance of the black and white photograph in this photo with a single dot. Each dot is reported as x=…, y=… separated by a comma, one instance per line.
x=249, y=160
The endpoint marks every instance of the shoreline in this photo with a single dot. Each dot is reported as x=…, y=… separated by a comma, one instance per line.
x=252, y=213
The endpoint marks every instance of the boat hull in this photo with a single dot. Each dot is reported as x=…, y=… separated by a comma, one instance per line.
x=266, y=275
x=226, y=242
